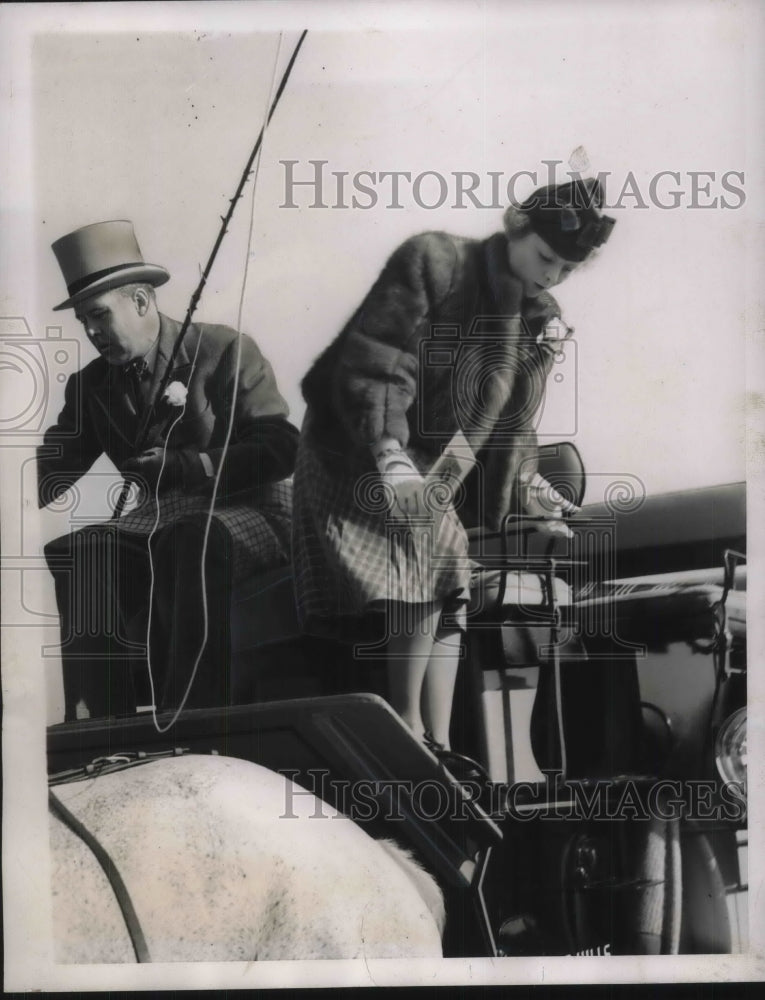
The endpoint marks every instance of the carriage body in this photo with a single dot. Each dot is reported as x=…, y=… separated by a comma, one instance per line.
x=623, y=669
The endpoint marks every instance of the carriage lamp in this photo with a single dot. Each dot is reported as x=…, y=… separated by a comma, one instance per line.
x=730, y=748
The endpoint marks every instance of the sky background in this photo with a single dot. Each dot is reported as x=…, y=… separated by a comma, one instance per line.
x=156, y=127
x=148, y=112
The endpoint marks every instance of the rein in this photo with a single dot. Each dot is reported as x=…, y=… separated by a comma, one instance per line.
x=107, y=765
x=119, y=888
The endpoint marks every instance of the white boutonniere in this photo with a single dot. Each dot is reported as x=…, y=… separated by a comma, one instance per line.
x=554, y=333
x=175, y=394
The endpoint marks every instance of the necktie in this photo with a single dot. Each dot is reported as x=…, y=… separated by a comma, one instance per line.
x=138, y=368
x=136, y=371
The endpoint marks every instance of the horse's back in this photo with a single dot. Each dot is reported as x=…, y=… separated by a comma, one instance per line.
x=225, y=860
x=89, y=926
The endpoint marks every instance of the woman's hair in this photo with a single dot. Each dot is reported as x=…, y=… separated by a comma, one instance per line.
x=516, y=222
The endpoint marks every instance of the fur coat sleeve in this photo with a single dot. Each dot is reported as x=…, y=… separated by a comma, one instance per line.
x=381, y=377
x=370, y=372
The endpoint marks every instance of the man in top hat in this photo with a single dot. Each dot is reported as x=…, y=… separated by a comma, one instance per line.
x=220, y=417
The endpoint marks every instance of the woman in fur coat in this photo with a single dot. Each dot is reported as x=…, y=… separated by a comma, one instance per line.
x=456, y=337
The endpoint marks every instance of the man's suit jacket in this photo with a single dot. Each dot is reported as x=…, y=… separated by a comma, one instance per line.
x=99, y=415
x=99, y=418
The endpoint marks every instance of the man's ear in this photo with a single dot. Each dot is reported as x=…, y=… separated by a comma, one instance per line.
x=142, y=301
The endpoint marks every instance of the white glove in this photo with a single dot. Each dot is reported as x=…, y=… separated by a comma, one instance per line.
x=404, y=480
x=540, y=499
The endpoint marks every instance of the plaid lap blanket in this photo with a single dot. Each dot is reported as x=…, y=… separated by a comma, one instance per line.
x=258, y=522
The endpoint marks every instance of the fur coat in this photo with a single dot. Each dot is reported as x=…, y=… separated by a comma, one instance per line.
x=432, y=351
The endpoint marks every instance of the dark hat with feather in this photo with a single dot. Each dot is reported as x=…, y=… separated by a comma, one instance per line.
x=568, y=217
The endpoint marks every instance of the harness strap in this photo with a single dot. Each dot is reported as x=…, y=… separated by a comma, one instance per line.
x=115, y=762
x=110, y=869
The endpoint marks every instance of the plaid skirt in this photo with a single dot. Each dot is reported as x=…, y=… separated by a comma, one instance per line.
x=259, y=524
x=350, y=557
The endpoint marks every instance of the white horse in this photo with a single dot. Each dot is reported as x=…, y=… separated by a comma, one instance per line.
x=225, y=860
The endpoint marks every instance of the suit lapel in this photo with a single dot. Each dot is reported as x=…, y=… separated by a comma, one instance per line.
x=110, y=399
x=154, y=419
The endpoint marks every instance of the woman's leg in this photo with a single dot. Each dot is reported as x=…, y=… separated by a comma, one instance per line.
x=438, y=685
x=412, y=636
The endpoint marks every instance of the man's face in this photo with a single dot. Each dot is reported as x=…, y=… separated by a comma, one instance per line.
x=116, y=325
x=536, y=264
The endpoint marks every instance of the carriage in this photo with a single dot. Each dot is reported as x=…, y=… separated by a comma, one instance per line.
x=602, y=694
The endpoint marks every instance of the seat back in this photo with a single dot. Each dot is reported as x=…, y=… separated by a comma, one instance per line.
x=562, y=466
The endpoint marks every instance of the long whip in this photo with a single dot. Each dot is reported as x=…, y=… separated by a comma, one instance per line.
x=225, y=220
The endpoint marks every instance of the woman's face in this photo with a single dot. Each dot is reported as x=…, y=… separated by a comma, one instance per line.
x=536, y=264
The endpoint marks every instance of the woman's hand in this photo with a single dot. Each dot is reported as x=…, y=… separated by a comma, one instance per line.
x=540, y=499
x=402, y=480
x=408, y=491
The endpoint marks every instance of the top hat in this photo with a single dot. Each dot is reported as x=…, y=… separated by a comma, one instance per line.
x=100, y=257
x=568, y=217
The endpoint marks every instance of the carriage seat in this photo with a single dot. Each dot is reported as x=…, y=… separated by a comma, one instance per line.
x=518, y=564
x=263, y=611
x=269, y=655
x=671, y=607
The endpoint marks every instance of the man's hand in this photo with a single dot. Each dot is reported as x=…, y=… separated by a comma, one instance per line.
x=182, y=468
x=540, y=499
